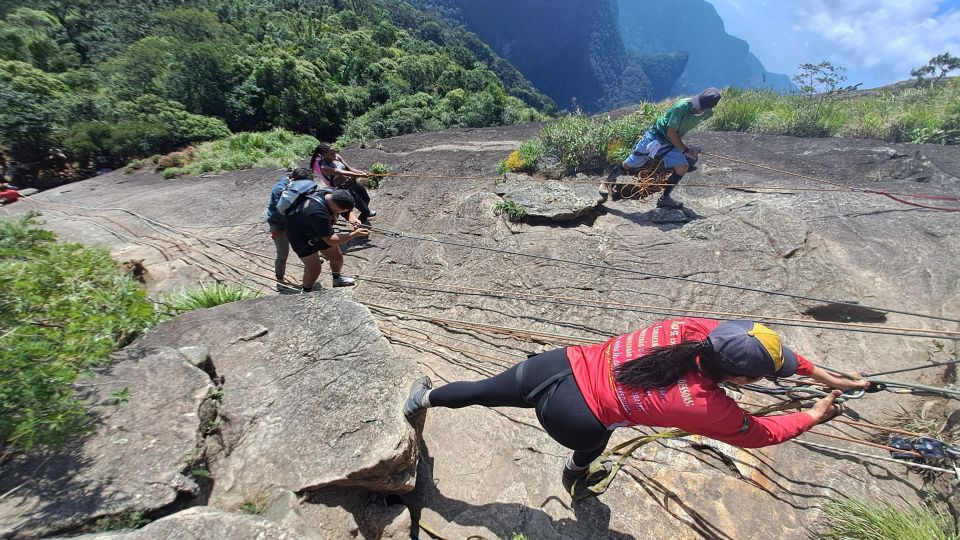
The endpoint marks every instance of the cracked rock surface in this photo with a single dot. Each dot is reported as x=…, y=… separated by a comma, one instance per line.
x=135, y=459
x=311, y=396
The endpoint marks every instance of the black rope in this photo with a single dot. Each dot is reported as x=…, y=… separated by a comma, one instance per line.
x=392, y=283
x=402, y=235
x=915, y=368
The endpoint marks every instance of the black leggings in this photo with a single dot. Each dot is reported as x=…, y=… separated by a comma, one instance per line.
x=361, y=198
x=546, y=383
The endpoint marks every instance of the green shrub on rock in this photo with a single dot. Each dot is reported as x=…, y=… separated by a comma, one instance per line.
x=65, y=308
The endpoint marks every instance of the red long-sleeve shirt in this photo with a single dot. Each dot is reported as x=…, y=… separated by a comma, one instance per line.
x=9, y=195
x=695, y=403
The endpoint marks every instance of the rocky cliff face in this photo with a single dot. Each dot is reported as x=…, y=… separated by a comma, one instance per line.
x=715, y=57
x=572, y=51
x=481, y=471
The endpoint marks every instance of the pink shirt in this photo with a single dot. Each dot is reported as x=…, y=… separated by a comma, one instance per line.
x=695, y=403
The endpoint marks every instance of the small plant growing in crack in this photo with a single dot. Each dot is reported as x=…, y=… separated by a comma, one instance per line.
x=122, y=397
x=130, y=519
x=256, y=507
x=212, y=425
x=512, y=210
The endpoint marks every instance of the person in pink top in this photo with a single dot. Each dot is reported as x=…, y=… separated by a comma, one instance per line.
x=665, y=375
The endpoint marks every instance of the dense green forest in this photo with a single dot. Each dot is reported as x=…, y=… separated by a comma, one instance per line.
x=575, y=55
x=87, y=84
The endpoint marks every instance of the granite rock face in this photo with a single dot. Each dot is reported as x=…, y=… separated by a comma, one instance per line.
x=135, y=460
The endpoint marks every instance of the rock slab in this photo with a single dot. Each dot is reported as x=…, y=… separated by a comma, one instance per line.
x=552, y=201
x=205, y=523
x=136, y=459
x=311, y=396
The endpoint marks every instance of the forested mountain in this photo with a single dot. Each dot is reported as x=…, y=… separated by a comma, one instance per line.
x=571, y=50
x=694, y=27
x=113, y=79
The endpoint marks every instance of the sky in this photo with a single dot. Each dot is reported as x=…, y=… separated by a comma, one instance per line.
x=878, y=41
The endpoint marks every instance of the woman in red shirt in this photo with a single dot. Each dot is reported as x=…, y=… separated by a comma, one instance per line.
x=665, y=375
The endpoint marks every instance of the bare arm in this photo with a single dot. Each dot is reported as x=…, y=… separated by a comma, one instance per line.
x=836, y=381
x=339, y=239
x=674, y=137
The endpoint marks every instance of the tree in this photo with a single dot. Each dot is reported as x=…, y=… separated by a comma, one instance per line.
x=36, y=37
x=819, y=78
x=944, y=62
x=30, y=110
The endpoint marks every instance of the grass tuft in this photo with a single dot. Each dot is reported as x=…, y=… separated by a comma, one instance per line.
x=207, y=296
x=877, y=520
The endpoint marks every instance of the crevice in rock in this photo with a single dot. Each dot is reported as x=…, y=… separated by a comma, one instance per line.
x=836, y=312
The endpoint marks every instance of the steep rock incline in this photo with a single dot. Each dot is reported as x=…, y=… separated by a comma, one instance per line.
x=495, y=472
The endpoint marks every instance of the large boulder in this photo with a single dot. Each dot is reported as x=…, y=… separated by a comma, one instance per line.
x=136, y=460
x=552, y=201
x=311, y=396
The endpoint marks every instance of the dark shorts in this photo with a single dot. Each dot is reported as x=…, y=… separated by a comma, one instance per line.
x=305, y=247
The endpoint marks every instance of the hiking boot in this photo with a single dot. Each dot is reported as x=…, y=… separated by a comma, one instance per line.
x=415, y=402
x=667, y=202
x=344, y=281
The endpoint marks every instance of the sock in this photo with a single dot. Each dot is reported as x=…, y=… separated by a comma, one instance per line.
x=336, y=275
x=672, y=181
x=308, y=289
x=572, y=466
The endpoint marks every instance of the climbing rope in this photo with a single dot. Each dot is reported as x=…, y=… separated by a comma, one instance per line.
x=459, y=290
x=899, y=197
x=408, y=236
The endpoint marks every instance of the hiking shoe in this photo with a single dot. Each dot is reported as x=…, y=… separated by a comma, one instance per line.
x=667, y=202
x=571, y=479
x=415, y=402
x=344, y=281
x=372, y=213
x=615, y=173
x=615, y=192
x=577, y=482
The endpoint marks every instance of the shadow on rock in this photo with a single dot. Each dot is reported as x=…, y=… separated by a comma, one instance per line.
x=661, y=218
x=592, y=516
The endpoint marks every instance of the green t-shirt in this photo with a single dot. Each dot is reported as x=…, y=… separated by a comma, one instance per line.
x=681, y=117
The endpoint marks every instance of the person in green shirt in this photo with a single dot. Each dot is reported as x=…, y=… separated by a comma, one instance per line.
x=665, y=141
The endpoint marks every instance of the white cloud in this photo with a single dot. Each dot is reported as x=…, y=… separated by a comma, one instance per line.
x=878, y=41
